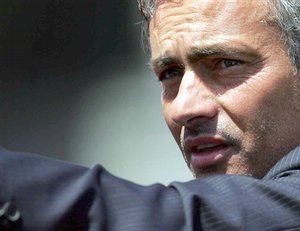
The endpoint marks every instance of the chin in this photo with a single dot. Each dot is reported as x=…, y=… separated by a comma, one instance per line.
x=208, y=171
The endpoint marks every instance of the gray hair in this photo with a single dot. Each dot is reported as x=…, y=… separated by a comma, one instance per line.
x=285, y=14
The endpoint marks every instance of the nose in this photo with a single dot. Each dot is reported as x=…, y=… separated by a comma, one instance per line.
x=194, y=103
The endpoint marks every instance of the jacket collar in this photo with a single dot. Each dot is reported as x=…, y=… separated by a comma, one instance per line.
x=287, y=166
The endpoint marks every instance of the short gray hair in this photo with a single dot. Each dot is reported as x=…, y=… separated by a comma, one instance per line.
x=285, y=14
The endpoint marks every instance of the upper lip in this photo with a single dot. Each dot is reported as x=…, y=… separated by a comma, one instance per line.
x=193, y=144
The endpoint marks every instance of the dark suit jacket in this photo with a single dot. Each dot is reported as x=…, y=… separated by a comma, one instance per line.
x=39, y=194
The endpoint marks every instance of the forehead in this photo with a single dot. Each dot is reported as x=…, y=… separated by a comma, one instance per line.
x=211, y=8
x=190, y=19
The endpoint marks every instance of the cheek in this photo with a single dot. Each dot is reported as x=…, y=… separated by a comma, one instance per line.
x=240, y=106
x=252, y=103
x=260, y=107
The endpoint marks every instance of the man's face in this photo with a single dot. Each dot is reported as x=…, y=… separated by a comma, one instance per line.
x=229, y=94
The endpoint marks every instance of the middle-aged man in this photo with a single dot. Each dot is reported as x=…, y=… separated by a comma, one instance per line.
x=230, y=79
x=230, y=92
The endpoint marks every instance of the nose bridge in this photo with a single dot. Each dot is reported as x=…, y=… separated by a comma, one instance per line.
x=188, y=90
x=194, y=100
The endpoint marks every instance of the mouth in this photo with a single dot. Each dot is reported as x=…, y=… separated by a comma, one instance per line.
x=203, y=152
x=207, y=147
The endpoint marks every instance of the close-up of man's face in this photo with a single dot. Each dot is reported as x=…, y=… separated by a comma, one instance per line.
x=230, y=94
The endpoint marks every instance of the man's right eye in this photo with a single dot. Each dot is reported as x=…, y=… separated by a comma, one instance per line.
x=170, y=73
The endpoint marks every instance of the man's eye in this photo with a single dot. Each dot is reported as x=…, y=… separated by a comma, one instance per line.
x=170, y=73
x=226, y=63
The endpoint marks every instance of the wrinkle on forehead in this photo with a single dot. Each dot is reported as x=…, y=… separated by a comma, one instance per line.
x=160, y=2
x=212, y=9
x=173, y=18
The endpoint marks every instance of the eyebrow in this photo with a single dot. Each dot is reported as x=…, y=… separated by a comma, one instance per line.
x=201, y=53
x=197, y=53
x=233, y=52
x=165, y=61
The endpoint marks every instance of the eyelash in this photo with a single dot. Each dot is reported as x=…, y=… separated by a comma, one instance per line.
x=232, y=63
x=163, y=75
x=218, y=65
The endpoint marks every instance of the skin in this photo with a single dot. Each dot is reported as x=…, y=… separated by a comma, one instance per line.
x=226, y=78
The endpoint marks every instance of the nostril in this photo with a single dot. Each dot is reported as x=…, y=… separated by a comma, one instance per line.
x=191, y=118
x=196, y=122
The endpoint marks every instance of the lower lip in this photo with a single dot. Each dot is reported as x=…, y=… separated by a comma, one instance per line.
x=210, y=157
